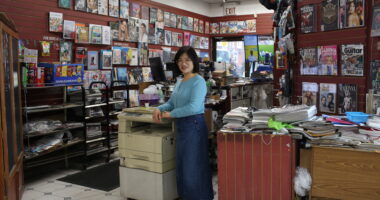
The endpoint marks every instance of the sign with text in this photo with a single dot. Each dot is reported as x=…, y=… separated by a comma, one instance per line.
x=230, y=11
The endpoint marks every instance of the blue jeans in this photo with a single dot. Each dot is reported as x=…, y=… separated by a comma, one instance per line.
x=192, y=160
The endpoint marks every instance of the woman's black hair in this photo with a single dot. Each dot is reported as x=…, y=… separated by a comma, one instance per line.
x=190, y=51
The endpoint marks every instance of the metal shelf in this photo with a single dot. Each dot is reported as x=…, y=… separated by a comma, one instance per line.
x=96, y=105
x=46, y=85
x=53, y=108
x=95, y=140
x=56, y=148
x=53, y=159
x=36, y=134
x=95, y=151
x=115, y=102
x=115, y=113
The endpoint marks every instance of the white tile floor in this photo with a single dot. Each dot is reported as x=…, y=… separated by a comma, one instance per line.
x=50, y=188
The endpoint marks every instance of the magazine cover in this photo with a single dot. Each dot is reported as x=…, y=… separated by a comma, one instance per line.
x=133, y=29
x=190, y=23
x=376, y=104
x=156, y=53
x=242, y=27
x=92, y=6
x=103, y=7
x=309, y=61
x=328, y=60
x=68, y=29
x=143, y=31
x=203, y=42
x=55, y=22
x=145, y=13
x=123, y=32
x=64, y=4
x=196, y=25
x=309, y=93
x=179, y=21
x=375, y=76
x=186, y=38
x=124, y=9
x=116, y=55
x=251, y=25
x=121, y=74
x=92, y=60
x=214, y=28
x=143, y=54
x=135, y=10
x=114, y=30
x=65, y=51
x=160, y=33
x=201, y=26
x=133, y=97
x=173, y=20
x=352, y=59
x=266, y=49
x=81, y=55
x=95, y=34
x=329, y=15
x=327, y=97
x=105, y=59
x=152, y=36
x=81, y=5
x=147, y=74
x=168, y=38
x=342, y=21
x=167, y=19
x=124, y=56
x=138, y=74
x=131, y=78
x=347, y=98
x=354, y=13
x=375, y=27
x=106, y=35
x=160, y=15
x=113, y=8
x=133, y=57
x=152, y=15
x=81, y=35
x=177, y=39
x=207, y=27
x=232, y=27
x=308, y=18
x=185, y=22
x=193, y=40
x=166, y=54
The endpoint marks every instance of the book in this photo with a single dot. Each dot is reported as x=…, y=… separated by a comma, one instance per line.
x=68, y=29
x=114, y=25
x=186, y=38
x=65, y=51
x=327, y=97
x=106, y=35
x=133, y=29
x=113, y=8
x=375, y=76
x=251, y=25
x=152, y=15
x=55, y=22
x=308, y=15
x=103, y=7
x=80, y=5
x=168, y=38
x=309, y=93
x=160, y=15
x=105, y=59
x=196, y=25
x=123, y=30
x=201, y=26
x=214, y=28
x=173, y=20
x=160, y=34
x=375, y=26
x=328, y=60
x=143, y=31
x=82, y=32
x=135, y=10
x=329, y=15
x=147, y=74
x=347, y=98
x=179, y=21
x=92, y=6
x=167, y=19
x=92, y=63
x=352, y=59
x=64, y=4
x=95, y=34
x=124, y=9
x=81, y=55
x=190, y=23
x=116, y=55
x=143, y=54
x=354, y=13
x=207, y=27
x=145, y=13
x=309, y=61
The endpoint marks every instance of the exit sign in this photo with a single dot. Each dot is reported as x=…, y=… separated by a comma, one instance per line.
x=229, y=11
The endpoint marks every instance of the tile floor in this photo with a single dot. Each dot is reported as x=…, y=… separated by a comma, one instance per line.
x=49, y=188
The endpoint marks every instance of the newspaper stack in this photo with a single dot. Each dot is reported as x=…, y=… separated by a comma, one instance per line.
x=287, y=114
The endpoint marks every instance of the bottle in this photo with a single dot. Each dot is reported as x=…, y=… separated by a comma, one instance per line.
x=160, y=94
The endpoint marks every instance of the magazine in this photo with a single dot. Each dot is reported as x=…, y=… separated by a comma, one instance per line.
x=308, y=19
x=328, y=60
x=105, y=59
x=145, y=13
x=168, y=38
x=92, y=60
x=179, y=21
x=135, y=10
x=214, y=28
x=81, y=55
x=147, y=74
x=131, y=78
x=354, y=13
x=160, y=34
x=207, y=27
x=309, y=93
x=190, y=23
x=196, y=25
x=352, y=59
x=68, y=29
x=223, y=27
x=375, y=27
x=309, y=61
x=160, y=15
x=65, y=51
x=55, y=22
x=114, y=30
x=201, y=26
x=152, y=36
x=92, y=6
x=124, y=9
x=64, y=4
x=123, y=32
x=166, y=54
x=375, y=76
x=113, y=8
x=116, y=55
x=143, y=54
x=134, y=98
x=121, y=74
x=106, y=35
x=242, y=27
x=251, y=25
x=138, y=74
x=103, y=7
x=175, y=38
x=124, y=55
x=347, y=100
x=95, y=34
x=232, y=27
x=329, y=15
x=186, y=38
x=133, y=57
x=143, y=31
x=81, y=35
x=167, y=19
x=133, y=29
x=80, y=5
x=185, y=22
x=327, y=97
x=152, y=15
x=173, y=20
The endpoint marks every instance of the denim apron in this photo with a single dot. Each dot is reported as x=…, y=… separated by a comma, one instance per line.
x=192, y=159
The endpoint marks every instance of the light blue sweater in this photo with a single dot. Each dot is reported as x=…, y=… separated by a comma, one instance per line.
x=187, y=98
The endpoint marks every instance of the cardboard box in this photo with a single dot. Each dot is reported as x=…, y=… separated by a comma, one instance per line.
x=63, y=74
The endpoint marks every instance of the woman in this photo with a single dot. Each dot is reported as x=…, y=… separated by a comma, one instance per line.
x=186, y=106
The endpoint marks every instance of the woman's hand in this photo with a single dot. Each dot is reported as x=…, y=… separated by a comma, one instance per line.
x=166, y=115
x=157, y=115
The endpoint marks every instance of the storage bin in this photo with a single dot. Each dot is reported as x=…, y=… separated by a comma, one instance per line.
x=357, y=117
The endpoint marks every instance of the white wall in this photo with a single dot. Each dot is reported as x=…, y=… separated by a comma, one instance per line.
x=189, y=5
x=245, y=8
